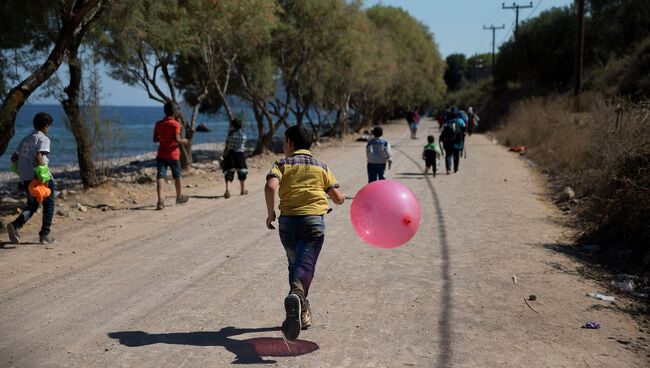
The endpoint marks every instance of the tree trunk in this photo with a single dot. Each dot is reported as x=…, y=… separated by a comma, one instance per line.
x=315, y=130
x=259, y=118
x=77, y=125
x=345, y=110
x=74, y=26
x=186, y=149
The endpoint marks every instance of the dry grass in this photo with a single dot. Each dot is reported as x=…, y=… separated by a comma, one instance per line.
x=603, y=154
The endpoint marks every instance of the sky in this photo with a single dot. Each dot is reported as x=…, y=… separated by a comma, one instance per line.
x=457, y=26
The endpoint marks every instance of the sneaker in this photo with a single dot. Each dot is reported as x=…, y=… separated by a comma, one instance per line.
x=305, y=316
x=244, y=192
x=182, y=199
x=226, y=195
x=160, y=205
x=14, y=236
x=291, y=325
x=47, y=239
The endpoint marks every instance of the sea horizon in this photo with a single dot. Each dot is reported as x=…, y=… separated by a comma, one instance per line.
x=129, y=133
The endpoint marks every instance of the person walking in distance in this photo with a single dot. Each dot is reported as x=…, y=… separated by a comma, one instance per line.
x=235, y=157
x=472, y=120
x=167, y=133
x=379, y=154
x=452, y=139
x=414, y=123
x=431, y=155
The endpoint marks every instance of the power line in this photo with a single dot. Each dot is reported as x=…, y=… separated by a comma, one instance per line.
x=516, y=7
x=492, y=21
x=493, y=29
x=512, y=25
x=534, y=10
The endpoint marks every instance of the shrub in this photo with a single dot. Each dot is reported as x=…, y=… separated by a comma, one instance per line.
x=603, y=154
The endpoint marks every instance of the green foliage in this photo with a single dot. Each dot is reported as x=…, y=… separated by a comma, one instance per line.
x=27, y=31
x=419, y=78
x=478, y=67
x=225, y=37
x=542, y=56
x=456, y=71
x=541, y=59
x=141, y=39
x=27, y=23
x=616, y=25
x=306, y=41
x=627, y=76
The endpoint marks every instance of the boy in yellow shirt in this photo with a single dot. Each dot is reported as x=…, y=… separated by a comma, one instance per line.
x=304, y=184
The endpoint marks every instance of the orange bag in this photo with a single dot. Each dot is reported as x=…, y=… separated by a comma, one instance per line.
x=40, y=191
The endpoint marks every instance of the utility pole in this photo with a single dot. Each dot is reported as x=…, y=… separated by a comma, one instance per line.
x=580, y=41
x=493, y=29
x=516, y=8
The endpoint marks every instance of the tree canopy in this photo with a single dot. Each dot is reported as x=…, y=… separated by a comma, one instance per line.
x=299, y=61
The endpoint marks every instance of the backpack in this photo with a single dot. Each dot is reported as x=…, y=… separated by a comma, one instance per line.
x=452, y=130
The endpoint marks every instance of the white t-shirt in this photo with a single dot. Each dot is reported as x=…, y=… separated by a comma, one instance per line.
x=27, y=149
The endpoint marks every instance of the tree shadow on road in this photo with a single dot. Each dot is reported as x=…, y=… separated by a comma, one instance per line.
x=248, y=351
x=206, y=197
x=411, y=176
x=444, y=326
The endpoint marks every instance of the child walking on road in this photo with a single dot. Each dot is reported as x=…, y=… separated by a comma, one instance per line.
x=304, y=183
x=378, y=153
x=235, y=157
x=30, y=161
x=431, y=155
x=168, y=134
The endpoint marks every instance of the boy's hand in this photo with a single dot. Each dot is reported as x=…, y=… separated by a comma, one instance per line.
x=269, y=221
x=390, y=162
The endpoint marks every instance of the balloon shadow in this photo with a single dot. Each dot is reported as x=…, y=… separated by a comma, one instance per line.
x=248, y=351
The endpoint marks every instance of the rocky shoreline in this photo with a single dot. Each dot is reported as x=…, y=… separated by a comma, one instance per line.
x=139, y=168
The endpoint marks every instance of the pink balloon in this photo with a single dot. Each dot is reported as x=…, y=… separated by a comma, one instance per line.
x=385, y=214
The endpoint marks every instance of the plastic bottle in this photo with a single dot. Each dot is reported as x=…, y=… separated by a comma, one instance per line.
x=600, y=296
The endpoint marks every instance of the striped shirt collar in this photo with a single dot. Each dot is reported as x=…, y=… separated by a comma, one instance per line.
x=300, y=152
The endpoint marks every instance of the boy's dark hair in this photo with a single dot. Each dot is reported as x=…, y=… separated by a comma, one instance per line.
x=41, y=120
x=430, y=139
x=300, y=136
x=236, y=124
x=377, y=131
x=170, y=109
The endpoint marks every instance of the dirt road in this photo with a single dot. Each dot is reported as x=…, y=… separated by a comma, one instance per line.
x=202, y=284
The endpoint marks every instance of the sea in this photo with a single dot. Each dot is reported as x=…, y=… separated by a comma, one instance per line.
x=131, y=126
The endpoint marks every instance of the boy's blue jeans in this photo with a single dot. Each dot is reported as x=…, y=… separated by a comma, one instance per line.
x=376, y=172
x=32, y=207
x=302, y=238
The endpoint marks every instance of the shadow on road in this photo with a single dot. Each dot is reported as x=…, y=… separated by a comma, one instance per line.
x=444, y=324
x=249, y=351
x=206, y=197
x=412, y=174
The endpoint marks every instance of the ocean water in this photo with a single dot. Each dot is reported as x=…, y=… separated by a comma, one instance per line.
x=134, y=124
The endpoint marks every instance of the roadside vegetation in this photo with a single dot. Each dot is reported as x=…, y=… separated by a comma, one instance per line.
x=601, y=151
